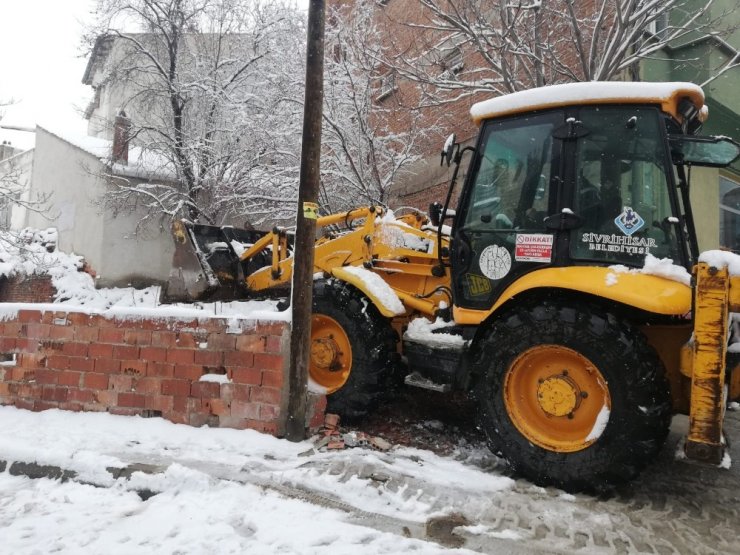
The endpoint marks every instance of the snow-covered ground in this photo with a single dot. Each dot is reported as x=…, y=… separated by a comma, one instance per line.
x=248, y=511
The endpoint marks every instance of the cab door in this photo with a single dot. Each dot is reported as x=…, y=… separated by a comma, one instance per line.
x=514, y=184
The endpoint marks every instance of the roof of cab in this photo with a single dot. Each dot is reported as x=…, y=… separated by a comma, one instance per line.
x=667, y=95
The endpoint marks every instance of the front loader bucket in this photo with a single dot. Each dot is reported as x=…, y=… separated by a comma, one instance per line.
x=206, y=265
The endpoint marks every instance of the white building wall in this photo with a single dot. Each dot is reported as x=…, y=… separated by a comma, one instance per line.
x=73, y=178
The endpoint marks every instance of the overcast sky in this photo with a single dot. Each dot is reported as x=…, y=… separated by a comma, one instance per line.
x=41, y=63
x=41, y=66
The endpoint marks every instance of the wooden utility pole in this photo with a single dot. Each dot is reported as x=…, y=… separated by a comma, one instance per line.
x=308, y=192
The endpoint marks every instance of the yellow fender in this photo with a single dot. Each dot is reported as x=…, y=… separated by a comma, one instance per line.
x=359, y=283
x=646, y=292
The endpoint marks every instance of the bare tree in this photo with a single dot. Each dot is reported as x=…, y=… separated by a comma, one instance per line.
x=363, y=152
x=465, y=47
x=208, y=87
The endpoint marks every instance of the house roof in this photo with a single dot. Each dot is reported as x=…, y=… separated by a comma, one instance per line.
x=100, y=51
x=142, y=164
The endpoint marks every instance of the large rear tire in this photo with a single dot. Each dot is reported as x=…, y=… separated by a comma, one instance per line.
x=353, y=350
x=570, y=396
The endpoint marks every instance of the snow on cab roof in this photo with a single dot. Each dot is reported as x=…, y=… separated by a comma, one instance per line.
x=593, y=92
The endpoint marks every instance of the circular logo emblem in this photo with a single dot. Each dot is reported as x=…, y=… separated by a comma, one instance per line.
x=495, y=262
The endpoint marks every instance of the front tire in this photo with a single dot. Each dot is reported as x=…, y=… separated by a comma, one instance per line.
x=353, y=350
x=570, y=396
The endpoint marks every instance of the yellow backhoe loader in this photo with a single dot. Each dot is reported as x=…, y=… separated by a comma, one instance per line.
x=568, y=294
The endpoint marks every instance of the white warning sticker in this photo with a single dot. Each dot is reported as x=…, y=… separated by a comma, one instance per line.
x=533, y=247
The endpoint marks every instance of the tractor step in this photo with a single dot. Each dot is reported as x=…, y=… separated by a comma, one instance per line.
x=417, y=380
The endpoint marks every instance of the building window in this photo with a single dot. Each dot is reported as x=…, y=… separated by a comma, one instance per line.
x=729, y=214
x=386, y=87
x=452, y=63
x=657, y=27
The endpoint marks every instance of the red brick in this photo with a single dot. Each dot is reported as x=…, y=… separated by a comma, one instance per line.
x=75, y=349
x=273, y=379
x=119, y=382
x=61, y=332
x=176, y=388
x=81, y=396
x=78, y=319
x=70, y=378
x=239, y=358
x=250, y=376
x=269, y=412
x=242, y=409
x=87, y=334
x=148, y=386
x=39, y=405
x=162, y=403
x=81, y=364
x=32, y=391
x=100, y=350
x=25, y=345
x=7, y=344
x=37, y=331
x=110, y=335
x=176, y=417
x=107, y=365
x=218, y=407
x=180, y=356
x=126, y=352
x=208, y=358
x=156, y=354
x=274, y=344
x=25, y=404
x=54, y=393
x=166, y=339
x=272, y=328
x=29, y=316
x=4, y=389
x=50, y=346
x=107, y=398
x=221, y=342
x=12, y=329
x=137, y=337
x=186, y=340
x=131, y=400
x=134, y=367
x=265, y=395
x=205, y=389
x=268, y=362
x=188, y=372
x=30, y=360
x=96, y=381
x=180, y=403
x=251, y=343
x=74, y=407
x=240, y=392
x=93, y=407
x=46, y=377
x=161, y=369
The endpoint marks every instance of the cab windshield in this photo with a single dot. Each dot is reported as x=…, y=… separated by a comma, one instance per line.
x=621, y=187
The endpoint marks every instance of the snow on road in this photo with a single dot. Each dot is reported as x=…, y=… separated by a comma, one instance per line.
x=194, y=511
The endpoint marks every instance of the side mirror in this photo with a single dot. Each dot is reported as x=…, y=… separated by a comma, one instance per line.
x=448, y=150
x=715, y=152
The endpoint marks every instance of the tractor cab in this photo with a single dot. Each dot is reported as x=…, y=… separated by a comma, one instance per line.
x=578, y=183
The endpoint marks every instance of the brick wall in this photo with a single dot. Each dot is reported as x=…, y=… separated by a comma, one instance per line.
x=148, y=367
x=26, y=289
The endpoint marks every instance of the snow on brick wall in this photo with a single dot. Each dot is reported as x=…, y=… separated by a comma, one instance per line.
x=26, y=289
x=88, y=362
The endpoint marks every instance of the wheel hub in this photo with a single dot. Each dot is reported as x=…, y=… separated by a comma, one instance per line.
x=325, y=353
x=558, y=395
